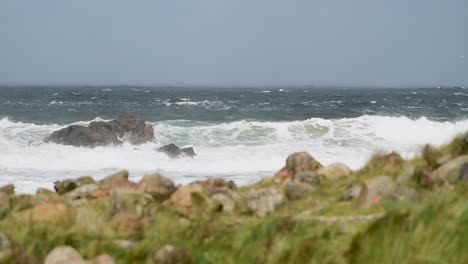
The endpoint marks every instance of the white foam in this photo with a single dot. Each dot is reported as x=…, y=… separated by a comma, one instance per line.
x=243, y=151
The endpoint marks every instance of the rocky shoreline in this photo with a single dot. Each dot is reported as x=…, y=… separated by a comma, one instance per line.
x=391, y=210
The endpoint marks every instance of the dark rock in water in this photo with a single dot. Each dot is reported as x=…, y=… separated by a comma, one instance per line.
x=65, y=186
x=99, y=133
x=464, y=173
x=173, y=151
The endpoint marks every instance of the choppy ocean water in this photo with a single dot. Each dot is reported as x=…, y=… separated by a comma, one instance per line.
x=241, y=134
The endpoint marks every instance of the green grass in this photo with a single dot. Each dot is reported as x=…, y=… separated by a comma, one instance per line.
x=431, y=229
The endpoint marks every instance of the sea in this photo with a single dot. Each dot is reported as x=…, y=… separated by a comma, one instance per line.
x=239, y=134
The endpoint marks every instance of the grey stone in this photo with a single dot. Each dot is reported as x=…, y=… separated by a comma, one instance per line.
x=264, y=201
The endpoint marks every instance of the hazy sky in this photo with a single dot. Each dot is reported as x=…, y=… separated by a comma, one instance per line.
x=236, y=42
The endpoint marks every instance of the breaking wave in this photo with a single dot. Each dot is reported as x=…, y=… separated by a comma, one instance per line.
x=243, y=151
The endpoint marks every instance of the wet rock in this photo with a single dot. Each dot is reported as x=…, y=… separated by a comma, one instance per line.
x=171, y=255
x=264, y=201
x=376, y=189
x=302, y=161
x=297, y=190
x=159, y=187
x=64, y=255
x=173, y=151
x=334, y=172
x=134, y=127
x=449, y=172
x=4, y=203
x=351, y=192
x=8, y=189
x=82, y=136
x=99, y=133
x=132, y=201
x=464, y=173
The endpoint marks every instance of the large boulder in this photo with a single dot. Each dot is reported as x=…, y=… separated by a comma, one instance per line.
x=299, y=162
x=50, y=213
x=199, y=199
x=132, y=201
x=171, y=255
x=449, y=172
x=99, y=133
x=376, y=189
x=298, y=190
x=157, y=186
x=264, y=201
x=174, y=152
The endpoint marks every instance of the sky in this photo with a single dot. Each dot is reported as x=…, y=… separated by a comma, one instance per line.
x=234, y=42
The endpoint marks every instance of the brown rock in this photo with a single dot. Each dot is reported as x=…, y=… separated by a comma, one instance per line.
x=171, y=255
x=53, y=213
x=191, y=201
x=334, y=172
x=375, y=189
x=132, y=201
x=123, y=174
x=297, y=190
x=308, y=177
x=64, y=255
x=392, y=161
x=159, y=187
x=284, y=174
x=102, y=259
x=264, y=201
x=8, y=189
x=302, y=161
x=128, y=223
x=449, y=172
